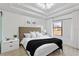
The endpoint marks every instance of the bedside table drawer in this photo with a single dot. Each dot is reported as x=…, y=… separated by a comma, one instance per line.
x=9, y=46
x=13, y=43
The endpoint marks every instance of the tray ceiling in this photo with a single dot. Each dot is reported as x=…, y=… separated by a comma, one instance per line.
x=33, y=10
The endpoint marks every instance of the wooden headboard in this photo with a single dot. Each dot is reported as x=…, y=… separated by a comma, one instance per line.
x=23, y=30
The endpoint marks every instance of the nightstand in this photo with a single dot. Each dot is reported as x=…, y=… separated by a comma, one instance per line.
x=9, y=45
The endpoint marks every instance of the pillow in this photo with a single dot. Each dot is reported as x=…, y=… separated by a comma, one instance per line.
x=38, y=34
x=27, y=35
x=33, y=34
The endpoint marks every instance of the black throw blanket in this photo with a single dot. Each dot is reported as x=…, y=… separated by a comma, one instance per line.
x=34, y=44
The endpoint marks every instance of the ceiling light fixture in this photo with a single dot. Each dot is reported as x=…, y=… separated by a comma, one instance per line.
x=45, y=5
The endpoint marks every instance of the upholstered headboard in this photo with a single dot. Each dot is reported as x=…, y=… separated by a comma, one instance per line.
x=23, y=30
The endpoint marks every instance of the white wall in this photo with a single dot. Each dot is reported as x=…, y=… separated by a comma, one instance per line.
x=70, y=29
x=12, y=21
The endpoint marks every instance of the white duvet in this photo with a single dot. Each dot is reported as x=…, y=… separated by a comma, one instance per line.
x=42, y=50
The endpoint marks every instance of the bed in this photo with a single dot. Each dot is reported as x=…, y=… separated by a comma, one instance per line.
x=40, y=46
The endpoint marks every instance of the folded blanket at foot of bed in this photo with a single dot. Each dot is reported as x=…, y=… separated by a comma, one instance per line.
x=34, y=44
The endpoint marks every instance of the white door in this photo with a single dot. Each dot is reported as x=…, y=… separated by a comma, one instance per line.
x=67, y=30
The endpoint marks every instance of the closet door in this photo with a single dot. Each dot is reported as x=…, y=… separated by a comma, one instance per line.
x=0, y=30
x=67, y=31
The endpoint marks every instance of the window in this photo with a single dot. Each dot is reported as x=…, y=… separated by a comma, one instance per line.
x=57, y=28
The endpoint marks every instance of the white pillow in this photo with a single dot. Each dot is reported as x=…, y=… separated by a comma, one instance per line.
x=27, y=35
x=33, y=34
x=38, y=34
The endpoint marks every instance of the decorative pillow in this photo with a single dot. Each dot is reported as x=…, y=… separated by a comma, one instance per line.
x=27, y=35
x=33, y=34
x=38, y=34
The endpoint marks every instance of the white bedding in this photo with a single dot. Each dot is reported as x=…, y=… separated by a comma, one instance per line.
x=42, y=50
